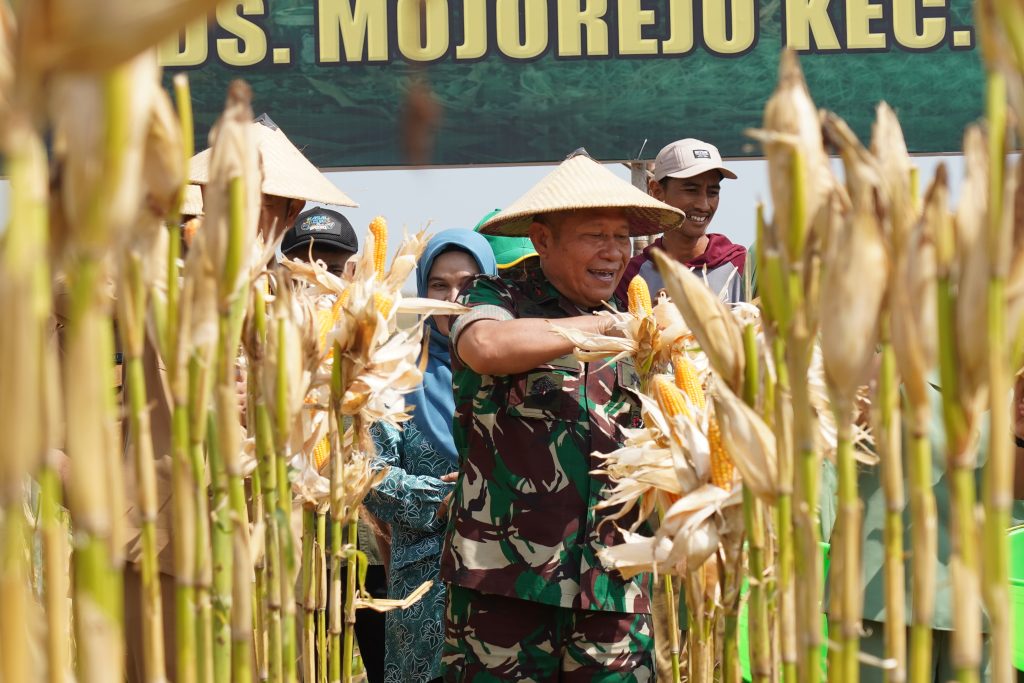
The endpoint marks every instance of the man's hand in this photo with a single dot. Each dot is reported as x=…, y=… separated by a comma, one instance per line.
x=442, y=507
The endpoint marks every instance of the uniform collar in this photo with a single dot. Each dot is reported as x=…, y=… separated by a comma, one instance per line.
x=534, y=284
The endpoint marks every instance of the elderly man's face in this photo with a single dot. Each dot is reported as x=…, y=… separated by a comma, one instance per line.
x=583, y=253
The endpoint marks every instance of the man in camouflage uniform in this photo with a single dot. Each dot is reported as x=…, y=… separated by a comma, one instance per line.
x=529, y=598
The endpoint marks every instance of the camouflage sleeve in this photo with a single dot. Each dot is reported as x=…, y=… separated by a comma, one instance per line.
x=401, y=497
x=489, y=299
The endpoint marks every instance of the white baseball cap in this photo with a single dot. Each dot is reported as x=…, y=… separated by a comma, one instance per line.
x=687, y=158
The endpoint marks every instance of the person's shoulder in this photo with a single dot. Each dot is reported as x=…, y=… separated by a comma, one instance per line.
x=483, y=287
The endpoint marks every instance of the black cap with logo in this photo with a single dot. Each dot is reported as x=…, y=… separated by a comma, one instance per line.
x=323, y=227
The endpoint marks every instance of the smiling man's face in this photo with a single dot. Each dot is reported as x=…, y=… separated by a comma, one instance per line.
x=583, y=253
x=696, y=196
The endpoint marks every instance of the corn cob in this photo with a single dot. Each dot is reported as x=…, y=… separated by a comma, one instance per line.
x=669, y=398
x=383, y=303
x=721, y=465
x=639, y=298
x=687, y=380
x=342, y=300
x=321, y=453
x=379, y=230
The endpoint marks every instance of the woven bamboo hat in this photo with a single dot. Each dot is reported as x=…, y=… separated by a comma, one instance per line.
x=581, y=183
x=193, y=204
x=286, y=172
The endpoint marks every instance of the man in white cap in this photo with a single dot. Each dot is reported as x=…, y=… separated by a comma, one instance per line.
x=289, y=179
x=529, y=599
x=688, y=175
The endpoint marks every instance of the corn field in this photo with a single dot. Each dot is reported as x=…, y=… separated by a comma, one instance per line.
x=870, y=292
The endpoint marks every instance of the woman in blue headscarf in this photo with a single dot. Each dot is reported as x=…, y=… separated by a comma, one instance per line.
x=423, y=462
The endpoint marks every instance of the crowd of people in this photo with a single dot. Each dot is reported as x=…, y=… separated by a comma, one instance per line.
x=490, y=488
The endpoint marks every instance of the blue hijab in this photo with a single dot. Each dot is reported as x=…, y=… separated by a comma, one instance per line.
x=435, y=404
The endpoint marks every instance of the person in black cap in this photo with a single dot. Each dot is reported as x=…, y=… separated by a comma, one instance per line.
x=321, y=235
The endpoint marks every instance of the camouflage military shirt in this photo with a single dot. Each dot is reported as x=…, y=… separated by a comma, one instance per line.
x=522, y=522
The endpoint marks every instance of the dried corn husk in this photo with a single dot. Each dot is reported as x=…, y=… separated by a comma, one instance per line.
x=913, y=299
x=749, y=441
x=856, y=272
x=889, y=148
x=291, y=323
x=101, y=176
x=233, y=155
x=710, y=320
x=970, y=270
x=791, y=128
x=75, y=35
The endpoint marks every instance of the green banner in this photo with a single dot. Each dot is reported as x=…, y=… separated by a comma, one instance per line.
x=520, y=81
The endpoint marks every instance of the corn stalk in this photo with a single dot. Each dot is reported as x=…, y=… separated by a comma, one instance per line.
x=999, y=469
x=131, y=303
x=24, y=310
x=96, y=490
x=757, y=531
x=888, y=440
x=334, y=647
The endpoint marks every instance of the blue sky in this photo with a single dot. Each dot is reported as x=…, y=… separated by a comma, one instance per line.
x=443, y=198
x=459, y=197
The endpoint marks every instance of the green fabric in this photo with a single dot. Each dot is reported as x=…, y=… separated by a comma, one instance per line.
x=508, y=251
x=870, y=483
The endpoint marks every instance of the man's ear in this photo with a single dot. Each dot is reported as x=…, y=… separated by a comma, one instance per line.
x=541, y=236
x=655, y=189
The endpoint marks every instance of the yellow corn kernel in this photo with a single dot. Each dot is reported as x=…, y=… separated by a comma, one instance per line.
x=383, y=303
x=639, y=298
x=669, y=398
x=342, y=300
x=379, y=230
x=686, y=379
x=321, y=453
x=721, y=465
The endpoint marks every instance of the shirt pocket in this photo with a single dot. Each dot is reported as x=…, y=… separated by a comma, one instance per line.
x=628, y=379
x=548, y=392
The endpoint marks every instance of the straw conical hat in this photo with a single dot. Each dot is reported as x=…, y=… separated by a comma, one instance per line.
x=581, y=183
x=193, y=204
x=286, y=172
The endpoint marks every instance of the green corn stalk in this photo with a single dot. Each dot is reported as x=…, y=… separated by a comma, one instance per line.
x=282, y=513
x=24, y=307
x=999, y=468
x=890, y=454
x=754, y=520
x=309, y=585
x=184, y=486
x=777, y=307
x=202, y=574
x=226, y=409
x=96, y=490
x=352, y=567
x=966, y=654
x=321, y=598
x=132, y=324
x=334, y=647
